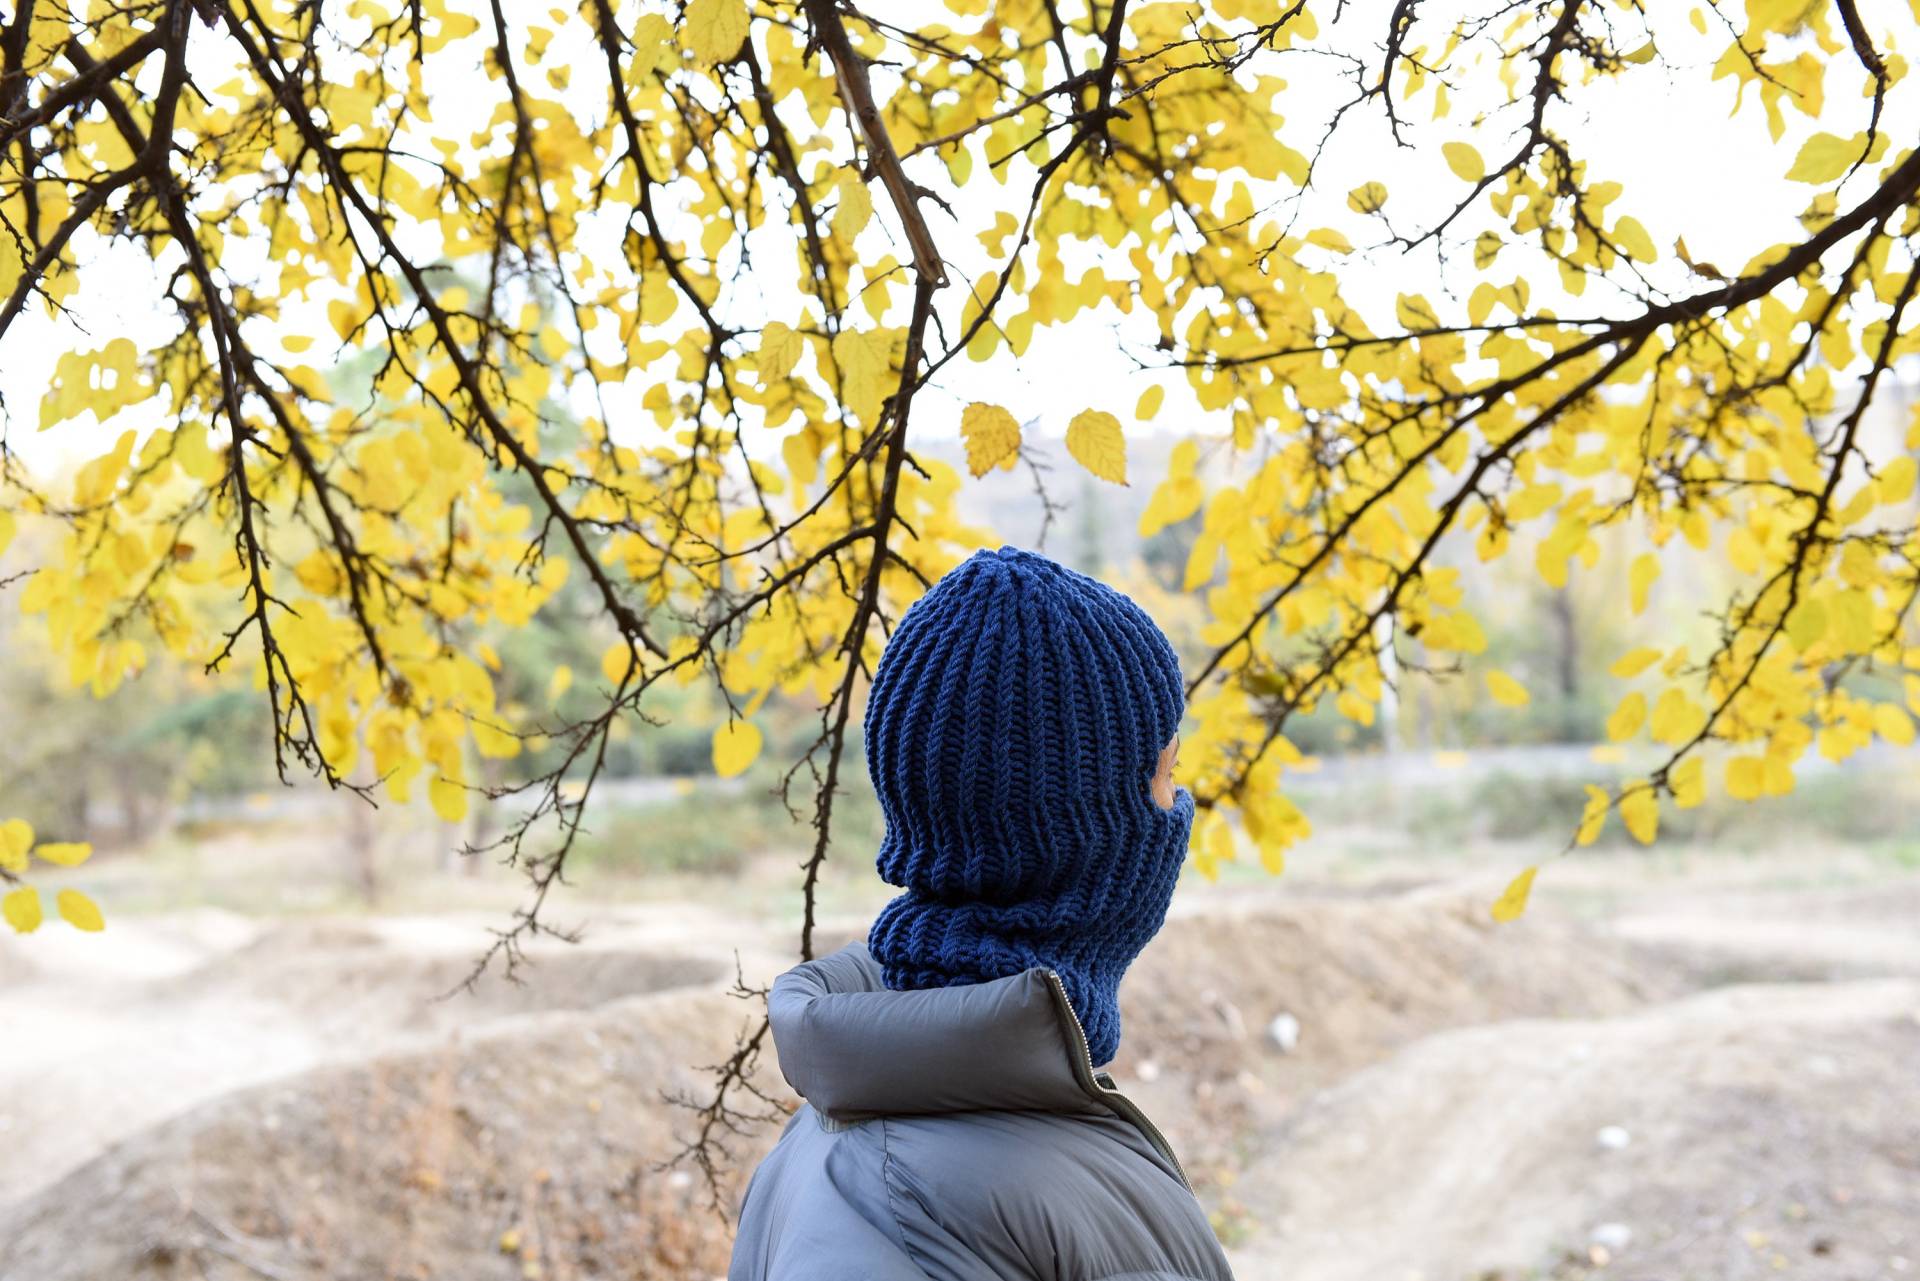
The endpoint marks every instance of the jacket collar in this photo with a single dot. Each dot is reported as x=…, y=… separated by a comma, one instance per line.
x=854, y=1049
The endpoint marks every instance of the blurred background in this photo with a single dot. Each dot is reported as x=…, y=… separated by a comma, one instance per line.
x=1694, y=1058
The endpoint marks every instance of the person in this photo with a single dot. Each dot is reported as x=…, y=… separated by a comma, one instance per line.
x=1020, y=734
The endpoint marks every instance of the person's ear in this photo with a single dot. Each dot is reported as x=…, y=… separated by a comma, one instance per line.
x=1163, y=774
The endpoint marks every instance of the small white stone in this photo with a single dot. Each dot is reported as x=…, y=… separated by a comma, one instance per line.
x=1147, y=1070
x=1613, y=1138
x=1284, y=1032
x=1612, y=1237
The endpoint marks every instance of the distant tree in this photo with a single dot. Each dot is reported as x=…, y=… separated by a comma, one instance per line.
x=740, y=238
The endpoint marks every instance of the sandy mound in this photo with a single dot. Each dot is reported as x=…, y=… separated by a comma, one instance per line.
x=547, y=1126
x=1748, y=1132
x=526, y=1153
x=1356, y=980
x=1434, y=1113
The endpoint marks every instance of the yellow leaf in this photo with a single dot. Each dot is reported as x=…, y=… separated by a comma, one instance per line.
x=1212, y=844
x=1632, y=663
x=1825, y=156
x=1513, y=900
x=345, y=318
x=1627, y=718
x=1689, y=782
x=1645, y=568
x=1486, y=247
x=1465, y=163
x=1746, y=778
x=1328, y=238
x=1144, y=409
x=64, y=853
x=780, y=349
x=559, y=683
x=1640, y=811
x=991, y=434
x=856, y=205
x=80, y=911
x=616, y=663
x=1594, y=817
x=21, y=908
x=1095, y=441
x=1806, y=625
x=1507, y=691
x=1367, y=198
x=1533, y=501
x=16, y=838
x=449, y=798
x=1892, y=724
x=1894, y=485
x=1634, y=240
x=1676, y=717
x=735, y=746
x=715, y=28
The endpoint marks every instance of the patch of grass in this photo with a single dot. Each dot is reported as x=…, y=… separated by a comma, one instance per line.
x=711, y=832
x=1878, y=808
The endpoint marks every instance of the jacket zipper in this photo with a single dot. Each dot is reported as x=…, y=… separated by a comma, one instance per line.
x=1120, y=1103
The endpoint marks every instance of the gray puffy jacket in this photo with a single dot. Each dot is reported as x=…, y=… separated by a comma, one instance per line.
x=960, y=1134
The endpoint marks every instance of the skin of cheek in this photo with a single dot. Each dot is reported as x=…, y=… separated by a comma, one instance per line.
x=1163, y=775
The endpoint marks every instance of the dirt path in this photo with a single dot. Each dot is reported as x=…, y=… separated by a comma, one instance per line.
x=1461, y=1103
x=1734, y=1134
x=116, y=1032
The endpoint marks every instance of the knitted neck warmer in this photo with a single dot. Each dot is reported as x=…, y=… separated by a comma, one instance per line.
x=1013, y=728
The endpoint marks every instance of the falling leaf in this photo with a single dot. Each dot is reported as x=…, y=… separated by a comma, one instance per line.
x=1096, y=443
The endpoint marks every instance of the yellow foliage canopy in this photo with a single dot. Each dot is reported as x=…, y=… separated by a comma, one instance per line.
x=641, y=309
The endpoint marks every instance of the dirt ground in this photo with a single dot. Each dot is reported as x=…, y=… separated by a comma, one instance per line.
x=1701, y=1068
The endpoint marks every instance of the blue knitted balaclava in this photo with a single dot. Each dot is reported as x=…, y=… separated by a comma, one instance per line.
x=1012, y=733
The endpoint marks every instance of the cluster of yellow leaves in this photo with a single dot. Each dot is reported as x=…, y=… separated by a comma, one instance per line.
x=743, y=346
x=20, y=906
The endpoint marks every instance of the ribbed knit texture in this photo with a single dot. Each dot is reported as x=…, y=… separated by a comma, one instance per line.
x=1012, y=733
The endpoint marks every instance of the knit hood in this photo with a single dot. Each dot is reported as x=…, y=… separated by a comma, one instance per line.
x=1012, y=733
